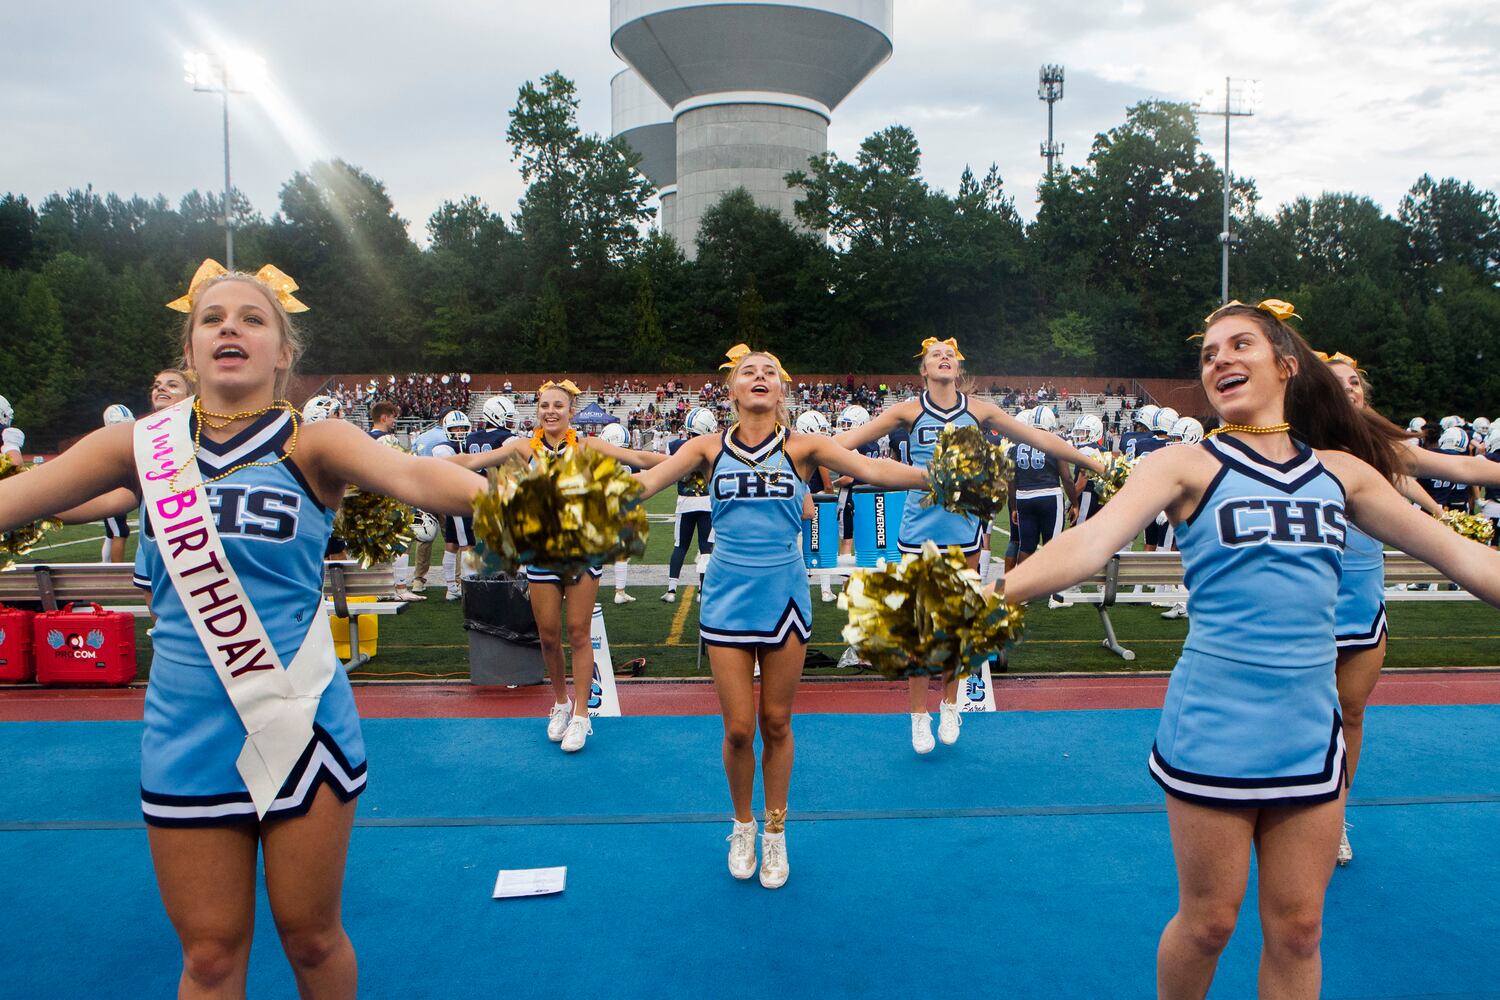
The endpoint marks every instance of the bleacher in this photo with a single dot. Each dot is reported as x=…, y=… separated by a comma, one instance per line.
x=1109, y=408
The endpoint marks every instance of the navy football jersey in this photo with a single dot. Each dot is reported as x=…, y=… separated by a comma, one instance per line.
x=1035, y=470
x=482, y=441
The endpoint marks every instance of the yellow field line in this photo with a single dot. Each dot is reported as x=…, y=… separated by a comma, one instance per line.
x=679, y=620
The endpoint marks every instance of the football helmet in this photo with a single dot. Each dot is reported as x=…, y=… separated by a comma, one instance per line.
x=812, y=422
x=1087, y=429
x=320, y=408
x=1187, y=430
x=117, y=413
x=500, y=411
x=701, y=420
x=457, y=426
x=853, y=416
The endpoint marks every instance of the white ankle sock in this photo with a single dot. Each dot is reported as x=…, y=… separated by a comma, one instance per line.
x=450, y=566
x=622, y=572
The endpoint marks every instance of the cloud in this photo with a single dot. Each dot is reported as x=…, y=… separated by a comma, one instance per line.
x=1358, y=95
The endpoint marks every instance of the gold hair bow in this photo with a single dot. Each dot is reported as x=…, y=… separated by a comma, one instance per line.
x=1279, y=308
x=278, y=281
x=951, y=342
x=566, y=385
x=739, y=352
x=1337, y=358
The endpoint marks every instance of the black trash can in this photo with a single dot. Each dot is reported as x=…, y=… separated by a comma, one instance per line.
x=503, y=643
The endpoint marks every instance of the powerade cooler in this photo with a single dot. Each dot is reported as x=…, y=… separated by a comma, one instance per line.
x=877, y=516
x=94, y=647
x=820, y=536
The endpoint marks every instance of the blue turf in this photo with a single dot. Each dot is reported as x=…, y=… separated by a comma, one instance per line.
x=1060, y=889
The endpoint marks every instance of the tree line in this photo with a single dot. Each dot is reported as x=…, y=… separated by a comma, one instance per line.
x=1110, y=278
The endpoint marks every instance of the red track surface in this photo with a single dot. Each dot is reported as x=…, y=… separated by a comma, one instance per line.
x=1014, y=694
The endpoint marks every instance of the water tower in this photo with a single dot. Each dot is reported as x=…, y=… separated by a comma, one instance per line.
x=750, y=86
x=644, y=121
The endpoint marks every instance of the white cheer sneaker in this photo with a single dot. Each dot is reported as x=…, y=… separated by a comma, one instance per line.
x=949, y=721
x=921, y=732
x=742, y=849
x=557, y=720
x=774, y=867
x=578, y=731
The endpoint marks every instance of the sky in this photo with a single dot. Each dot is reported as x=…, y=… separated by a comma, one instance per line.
x=1355, y=95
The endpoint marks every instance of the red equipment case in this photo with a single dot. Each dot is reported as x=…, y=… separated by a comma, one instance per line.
x=95, y=647
x=16, y=663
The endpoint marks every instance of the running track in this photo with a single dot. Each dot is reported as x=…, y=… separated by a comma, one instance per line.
x=465, y=701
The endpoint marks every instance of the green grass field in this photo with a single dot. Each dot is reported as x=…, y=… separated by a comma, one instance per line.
x=428, y=639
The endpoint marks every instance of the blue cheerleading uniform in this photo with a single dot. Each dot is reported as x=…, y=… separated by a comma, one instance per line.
x=1359, y=619
x=919, y=523
x=274, y=532
x=755, y=593
x=537, y=575
x=1251, y=716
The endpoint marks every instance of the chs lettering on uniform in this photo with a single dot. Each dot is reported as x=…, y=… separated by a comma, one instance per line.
x=1282, y=521
x=255, y=511
x=754, y=486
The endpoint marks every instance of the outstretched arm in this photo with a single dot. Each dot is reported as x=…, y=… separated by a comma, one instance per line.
x=1413, y=491
x=1472, y=469
x=630, y=456
x=875, y=471
x=689, y=457
x=112, y=504
x=345, y=454
x=878, y=427
x=992, y=417
x=100, y=463
x=1381, y=512
x=1075, y=555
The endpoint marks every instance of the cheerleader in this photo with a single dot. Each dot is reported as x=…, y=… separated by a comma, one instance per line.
x=941, y=405
x=1250, y=748
x=1360, y=621
x=241, y=643
x=756, y=602
x=568, y=719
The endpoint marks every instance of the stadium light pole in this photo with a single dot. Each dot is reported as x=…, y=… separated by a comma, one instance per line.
x=224, y=74
x=1239, y=103
x=1049, y=88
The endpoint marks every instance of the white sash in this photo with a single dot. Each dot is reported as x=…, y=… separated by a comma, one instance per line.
x=275, y=705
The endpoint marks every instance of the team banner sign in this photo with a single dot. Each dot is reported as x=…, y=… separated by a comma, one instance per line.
x=276, y=705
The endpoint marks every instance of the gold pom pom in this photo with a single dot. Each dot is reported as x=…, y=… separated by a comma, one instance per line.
x=926, y=615
x=19, y=541
x=1109, y=482
x=376, y=528
x=967, y=474
x=566, y=514
x=1471, y=526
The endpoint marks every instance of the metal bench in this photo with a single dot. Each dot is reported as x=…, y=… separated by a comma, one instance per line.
x=112, y=586
x=1116, y=583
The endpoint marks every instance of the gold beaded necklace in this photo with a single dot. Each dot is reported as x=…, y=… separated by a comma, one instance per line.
x=1280, y=428
x=760, y=468
x=218, y=421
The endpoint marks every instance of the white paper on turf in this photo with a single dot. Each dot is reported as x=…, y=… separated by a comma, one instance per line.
x=516, y=882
